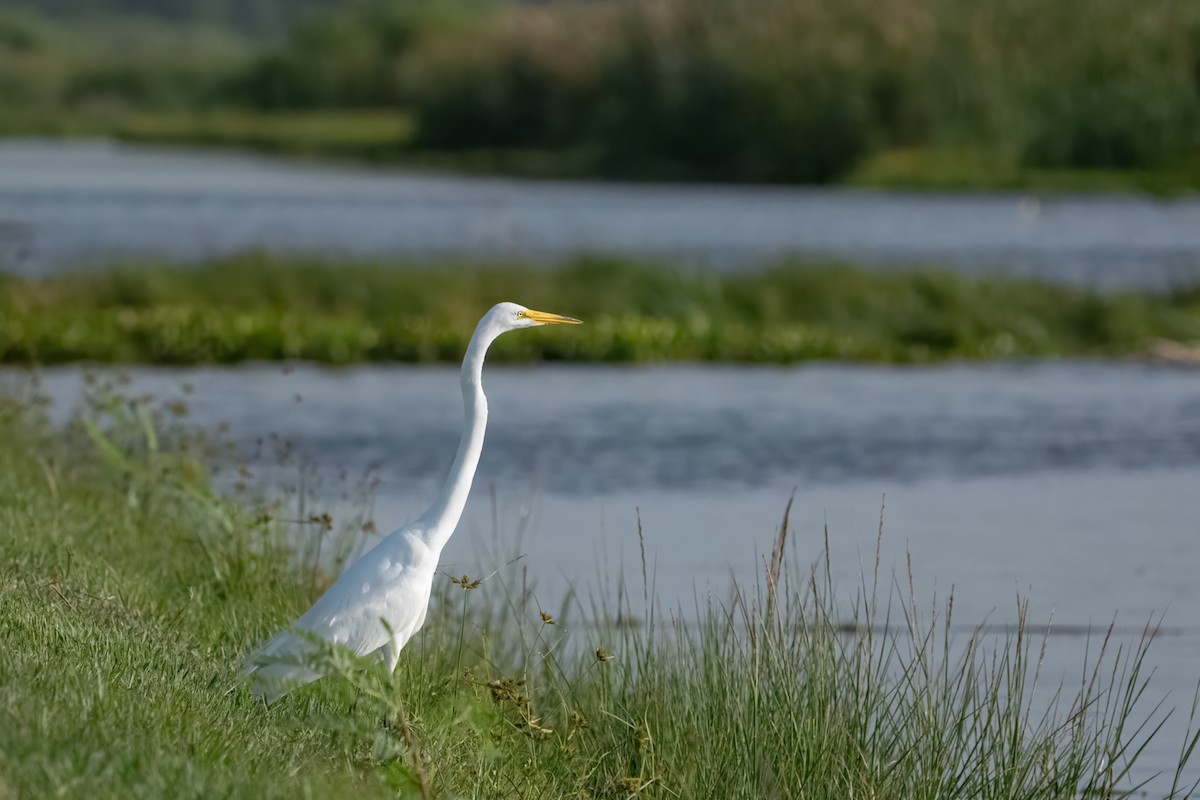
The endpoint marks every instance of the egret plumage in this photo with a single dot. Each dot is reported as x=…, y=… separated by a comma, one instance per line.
x=378, y=604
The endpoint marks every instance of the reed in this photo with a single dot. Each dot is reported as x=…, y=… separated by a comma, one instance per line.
x=806, y=90
x=754, y=90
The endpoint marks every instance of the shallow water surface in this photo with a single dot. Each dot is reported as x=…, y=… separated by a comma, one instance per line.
x=1066, y=474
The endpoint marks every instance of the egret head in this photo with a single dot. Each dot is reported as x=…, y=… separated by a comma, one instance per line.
x=510, y=316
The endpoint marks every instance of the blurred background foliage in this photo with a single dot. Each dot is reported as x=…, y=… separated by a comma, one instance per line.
x=741, y=90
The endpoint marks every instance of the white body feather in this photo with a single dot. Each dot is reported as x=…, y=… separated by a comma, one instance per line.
x=392, y=582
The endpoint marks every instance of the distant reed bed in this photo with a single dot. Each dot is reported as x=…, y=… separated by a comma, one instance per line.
x=257, y=307
x=738, y=90
x=768, y=90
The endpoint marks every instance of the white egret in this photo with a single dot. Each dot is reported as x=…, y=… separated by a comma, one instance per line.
x=380, y=602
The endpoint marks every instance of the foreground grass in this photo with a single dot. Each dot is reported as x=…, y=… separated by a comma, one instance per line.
x=258, y=308
x=122, y=596
x=129, y=592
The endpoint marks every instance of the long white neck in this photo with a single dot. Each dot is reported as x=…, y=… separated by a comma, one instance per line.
x=442, y=517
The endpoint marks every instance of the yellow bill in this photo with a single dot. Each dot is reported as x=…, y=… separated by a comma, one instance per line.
x=546, y=318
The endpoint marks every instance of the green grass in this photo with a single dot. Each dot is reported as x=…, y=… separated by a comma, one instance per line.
x=130, y=592
x=351, y=134
x=370, y=135
x=982, y=169
x=124, y=592
x=259, y=308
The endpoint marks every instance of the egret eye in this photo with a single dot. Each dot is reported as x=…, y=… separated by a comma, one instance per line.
x=520, y=314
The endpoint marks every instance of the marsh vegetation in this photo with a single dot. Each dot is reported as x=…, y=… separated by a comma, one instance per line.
x=906, y=92
x=254, y=308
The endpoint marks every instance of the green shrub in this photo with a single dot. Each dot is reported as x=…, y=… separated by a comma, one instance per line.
x=694, y=91
x=670, y=90
x=350, y=59
x=1119, y=122
x=165, y=87
x=767, y=90
x=528, y=77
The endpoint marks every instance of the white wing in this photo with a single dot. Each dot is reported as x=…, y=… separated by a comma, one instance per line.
x=389, y=584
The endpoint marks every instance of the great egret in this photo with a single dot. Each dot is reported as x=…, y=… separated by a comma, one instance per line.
x=380, y=602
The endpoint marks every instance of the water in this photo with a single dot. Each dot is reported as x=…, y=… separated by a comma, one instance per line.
x=1074, y=484
x=80, y=204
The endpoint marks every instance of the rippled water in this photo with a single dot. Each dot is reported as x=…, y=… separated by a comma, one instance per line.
x=687, y=428
x=73, y=204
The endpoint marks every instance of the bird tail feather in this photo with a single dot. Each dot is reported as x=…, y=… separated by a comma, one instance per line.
x=279, y=666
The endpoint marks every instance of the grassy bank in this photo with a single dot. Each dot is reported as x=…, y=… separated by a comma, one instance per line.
x=364, y=135
x=259, y=308
x=990, y=169
x=129, y=592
